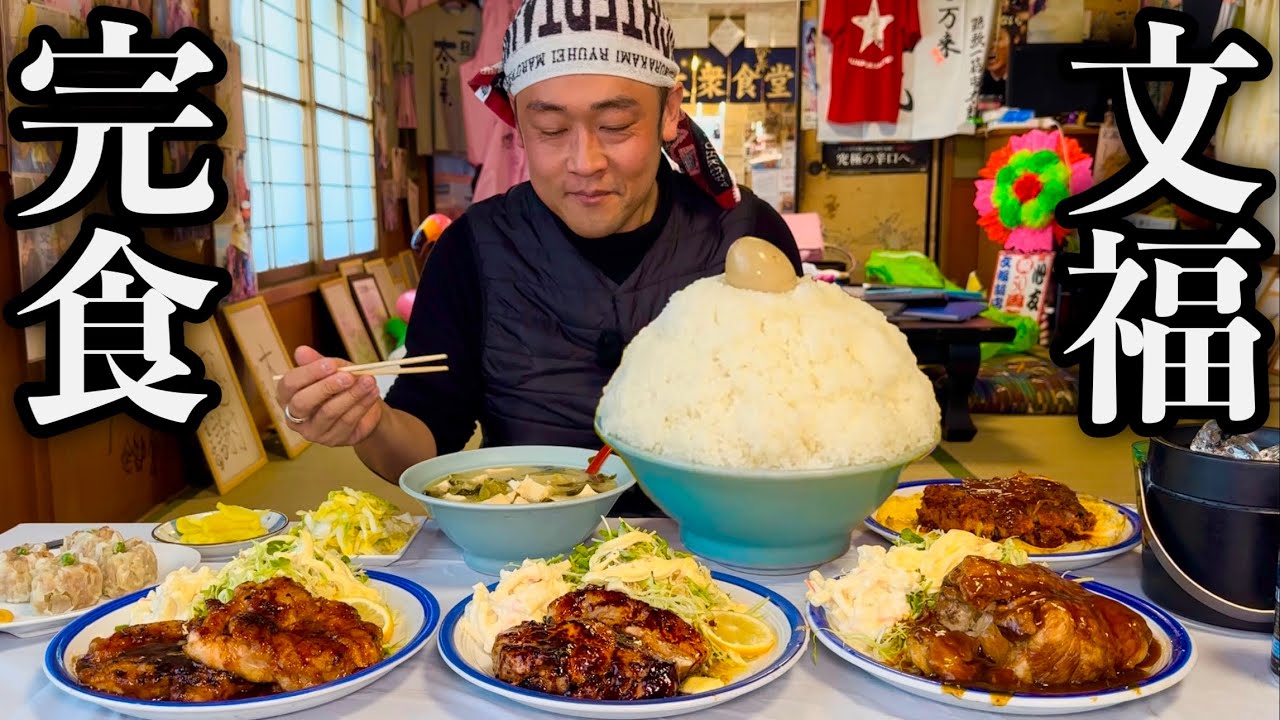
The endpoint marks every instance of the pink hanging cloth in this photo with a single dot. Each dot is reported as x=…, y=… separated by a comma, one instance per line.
x=491, y=144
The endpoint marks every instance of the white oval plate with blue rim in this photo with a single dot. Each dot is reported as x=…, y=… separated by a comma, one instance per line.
x=778, y=612
x=167, y=532
x=418, y=614
x=1177, y=658
x=1058, y=562
x=26, y=623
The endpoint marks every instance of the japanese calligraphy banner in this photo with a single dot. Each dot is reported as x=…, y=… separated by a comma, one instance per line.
x=940, y=81
x=748, y=75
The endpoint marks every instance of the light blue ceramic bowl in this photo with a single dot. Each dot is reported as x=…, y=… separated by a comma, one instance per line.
x=766, y=522
x=495, y=536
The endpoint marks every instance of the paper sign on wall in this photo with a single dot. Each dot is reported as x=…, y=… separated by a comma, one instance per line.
x=1021, y=284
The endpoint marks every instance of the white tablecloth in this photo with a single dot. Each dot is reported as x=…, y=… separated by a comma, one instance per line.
x=1230, y=682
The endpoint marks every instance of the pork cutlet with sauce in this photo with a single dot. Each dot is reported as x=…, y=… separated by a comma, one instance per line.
x=603, y=645
x=147, y=662
x=277, y=632
x=1034, y=509
x=1010, y=628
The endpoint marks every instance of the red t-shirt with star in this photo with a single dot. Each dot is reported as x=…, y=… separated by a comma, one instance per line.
x=868, y=38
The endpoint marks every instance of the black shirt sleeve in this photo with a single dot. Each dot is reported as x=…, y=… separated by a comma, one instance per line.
x=445, y=319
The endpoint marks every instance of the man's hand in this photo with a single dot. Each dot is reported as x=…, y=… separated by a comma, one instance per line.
x=324, y=404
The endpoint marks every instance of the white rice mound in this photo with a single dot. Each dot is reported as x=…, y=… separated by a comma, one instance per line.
x=809, y=379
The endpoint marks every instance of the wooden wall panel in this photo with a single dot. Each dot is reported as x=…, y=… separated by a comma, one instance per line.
x=861, y=213
x=115, y=470
x=24, y=490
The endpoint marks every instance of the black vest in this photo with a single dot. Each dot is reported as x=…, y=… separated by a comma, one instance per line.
x=555, y=325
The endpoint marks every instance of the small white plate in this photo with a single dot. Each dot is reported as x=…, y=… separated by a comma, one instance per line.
x=785, y=619
x=1058, y=562
x=167, y=532
x=26, y=623
x=1177, y=658
x=417, y=611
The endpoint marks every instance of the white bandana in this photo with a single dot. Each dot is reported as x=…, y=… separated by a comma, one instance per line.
x=624, y=38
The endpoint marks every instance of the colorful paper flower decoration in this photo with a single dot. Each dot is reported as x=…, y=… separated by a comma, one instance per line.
x=1022, y=184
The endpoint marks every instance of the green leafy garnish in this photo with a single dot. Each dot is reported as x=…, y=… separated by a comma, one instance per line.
x=121, y=627
x=67, y=559
x=921, y=600
x=910, y=537
x=120, y=547
x=24, y=551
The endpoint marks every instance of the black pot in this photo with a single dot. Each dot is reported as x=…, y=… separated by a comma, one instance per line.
x=1211, y=532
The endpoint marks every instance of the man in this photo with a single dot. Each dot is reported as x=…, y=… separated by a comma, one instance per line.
x=534, y=294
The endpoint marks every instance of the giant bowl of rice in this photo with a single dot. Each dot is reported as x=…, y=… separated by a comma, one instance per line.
x=768, y=425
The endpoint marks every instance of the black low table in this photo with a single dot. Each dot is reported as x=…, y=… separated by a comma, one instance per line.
x=954, y=345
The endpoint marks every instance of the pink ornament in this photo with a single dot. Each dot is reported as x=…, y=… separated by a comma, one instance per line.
x=404, y=304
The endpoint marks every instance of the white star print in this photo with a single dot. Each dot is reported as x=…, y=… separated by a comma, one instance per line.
x=873, y=25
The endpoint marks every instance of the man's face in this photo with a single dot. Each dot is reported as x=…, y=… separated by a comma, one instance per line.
x=593, y=144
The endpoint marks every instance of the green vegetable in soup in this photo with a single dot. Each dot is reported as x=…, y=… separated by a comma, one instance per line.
x=512, y=484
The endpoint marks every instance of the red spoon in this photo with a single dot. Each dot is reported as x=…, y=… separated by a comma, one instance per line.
x=598, y=460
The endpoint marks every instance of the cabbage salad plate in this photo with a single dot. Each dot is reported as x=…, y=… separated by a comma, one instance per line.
x=1126, y=534
x=385, y=559
x=27, y=623
x=1177, y=658
x=465, y=657
x=416, y=610
x=273, y=523
x=367, y=528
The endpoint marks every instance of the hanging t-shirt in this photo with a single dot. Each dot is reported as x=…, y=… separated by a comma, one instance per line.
x=443, y=36
x=868, y=38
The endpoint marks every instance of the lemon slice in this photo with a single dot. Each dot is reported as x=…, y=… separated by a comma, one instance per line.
x=374, y=613
x=746, y=635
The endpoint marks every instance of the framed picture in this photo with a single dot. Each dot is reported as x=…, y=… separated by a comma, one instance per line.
x=396, y=268
x=227, y=434
x=381, y=272
x=368, y=298
x=347, y=268
x=355, y=338
x=265, y=354
x=410, y=263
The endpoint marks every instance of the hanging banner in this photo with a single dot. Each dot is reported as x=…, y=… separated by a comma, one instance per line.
x=941, y=76
x=748, y=75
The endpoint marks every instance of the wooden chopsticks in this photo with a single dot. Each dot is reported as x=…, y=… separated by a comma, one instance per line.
x=395, y=367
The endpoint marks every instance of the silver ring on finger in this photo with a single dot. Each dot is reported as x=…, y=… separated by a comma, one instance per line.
x=289, y=416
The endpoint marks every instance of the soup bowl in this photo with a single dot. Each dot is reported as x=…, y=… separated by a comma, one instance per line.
x=493, y=537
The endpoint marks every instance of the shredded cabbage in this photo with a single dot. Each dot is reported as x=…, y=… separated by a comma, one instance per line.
x=323, y=573
x=354, y=522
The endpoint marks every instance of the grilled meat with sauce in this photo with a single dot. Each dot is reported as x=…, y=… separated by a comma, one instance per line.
x=1025, y=626
x=277, y=632
x=147, y=662
x=1034, y=509
x=602, y=645
x=583, y=659
x=663, y=634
